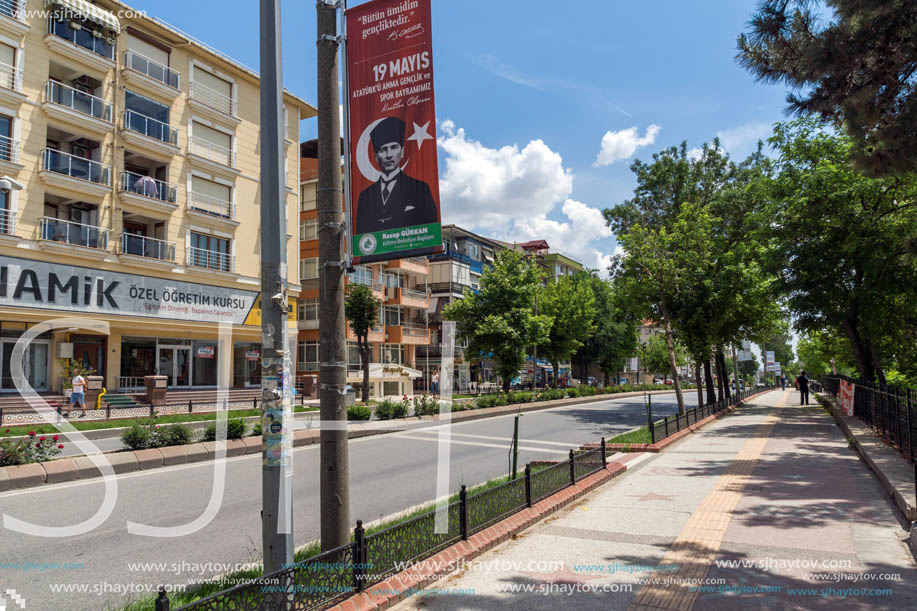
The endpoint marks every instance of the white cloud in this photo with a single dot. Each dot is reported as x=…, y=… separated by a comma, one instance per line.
x=505, y=71
x=508, y=193
x=619, y=250
x=738, y=140
x=488, y=187
x=622, y=144
x=695, y=153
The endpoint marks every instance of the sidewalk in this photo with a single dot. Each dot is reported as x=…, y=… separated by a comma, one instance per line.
x=773, y=485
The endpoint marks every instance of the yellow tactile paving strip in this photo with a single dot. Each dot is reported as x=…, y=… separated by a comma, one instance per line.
x=699, y=541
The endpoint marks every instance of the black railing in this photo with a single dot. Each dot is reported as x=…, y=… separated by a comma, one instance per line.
x=890, y=410
x=327, y=578
x=675, y=423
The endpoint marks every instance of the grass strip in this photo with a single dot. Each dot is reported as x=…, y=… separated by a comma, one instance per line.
x=641, y=435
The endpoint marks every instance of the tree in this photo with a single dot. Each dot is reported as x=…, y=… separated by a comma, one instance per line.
x=749, y=368
x=840, y=245
x=361, y=309
x=499, y=320
x=654, y=356
x=570, y=304
x=856, y=69
x=615, y=336
x=819, y=349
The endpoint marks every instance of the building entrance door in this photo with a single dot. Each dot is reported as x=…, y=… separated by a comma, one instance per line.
x=175, y=364
x=35, y=365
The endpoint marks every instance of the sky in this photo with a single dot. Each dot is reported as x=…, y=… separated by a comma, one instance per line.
x=541, y=109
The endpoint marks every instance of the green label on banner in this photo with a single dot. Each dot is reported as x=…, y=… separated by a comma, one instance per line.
x=395, y=240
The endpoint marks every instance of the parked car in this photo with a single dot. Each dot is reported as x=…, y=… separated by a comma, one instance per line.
x=668, y=382
x=657, y=380
x=622, y=381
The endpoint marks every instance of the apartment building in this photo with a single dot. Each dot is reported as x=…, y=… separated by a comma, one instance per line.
x=400, y=286
x=138, y=148
x=555, y=264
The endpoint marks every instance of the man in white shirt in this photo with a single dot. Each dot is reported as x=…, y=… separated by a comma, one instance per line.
x=78, y=396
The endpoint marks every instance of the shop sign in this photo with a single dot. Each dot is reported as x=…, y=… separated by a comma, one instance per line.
x=252, y=355
x=26, y=283
x=205, y=352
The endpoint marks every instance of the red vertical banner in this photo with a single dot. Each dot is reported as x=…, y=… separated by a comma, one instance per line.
x=395, y=210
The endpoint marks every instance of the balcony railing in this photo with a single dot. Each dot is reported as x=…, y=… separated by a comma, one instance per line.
x=418, y=260
x=77, y=167
x=213, y=98
x=7, y=222
x=210, y=205
x=214, y=152
x=142, y=124
x=83, y=37
x=412, y=294
x=148, y=187
x=59, y=230
x=144, y=246
x=211, y=259
x=14, y=9
x=10, y=77
x=412, y=329
x=84, y=103
x=153, y=69
x=9, y=149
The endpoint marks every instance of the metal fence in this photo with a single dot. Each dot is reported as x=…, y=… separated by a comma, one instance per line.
x=891, y=411
x=675, y=423
x=331, y=576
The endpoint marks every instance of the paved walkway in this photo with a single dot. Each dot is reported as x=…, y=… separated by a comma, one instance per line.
x=772, y=489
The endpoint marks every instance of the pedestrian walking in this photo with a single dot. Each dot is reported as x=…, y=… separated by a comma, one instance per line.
x=77, y=396
x=783, y=382
x=803, y=383
x=436, y=383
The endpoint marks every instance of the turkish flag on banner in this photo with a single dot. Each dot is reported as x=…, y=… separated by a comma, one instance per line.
x=845, y=395
x=395, y=210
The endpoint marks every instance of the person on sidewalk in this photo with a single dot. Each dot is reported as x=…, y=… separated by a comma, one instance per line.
x=77, y=397
x=803, y=383
x=436, y=383
x=782, y=382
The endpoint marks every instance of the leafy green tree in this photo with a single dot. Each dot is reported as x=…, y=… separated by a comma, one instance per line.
x=615, y=334
x=361, y=310
x=499, y=320
x=819, y=349
x=654, y=356
x=749, y=368
x=570, y=304
x=855, y=68
x=839, y=245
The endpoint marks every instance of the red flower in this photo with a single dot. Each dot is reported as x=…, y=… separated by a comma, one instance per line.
x=37, y=445
x=42, y=438
x=7, y=430
x=31, y=433
x=54, y=438
x=61, y=446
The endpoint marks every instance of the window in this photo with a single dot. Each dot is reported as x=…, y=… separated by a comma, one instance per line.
x=211, y=144
x=353, y=354
x=148, y=117
x=308, y=230
x=391, y=315
x=393, y=353
x=392, y=280
x=8, y=150
x=308, y=356
x=361, y=274
x=210, y=197
x=308, y=309
x=308, y=268
x=210, y=252
x=212, y=91
x=8, y=78
x=307, y=198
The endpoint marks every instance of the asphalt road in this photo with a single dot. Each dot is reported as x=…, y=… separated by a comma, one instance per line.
x=388, y=474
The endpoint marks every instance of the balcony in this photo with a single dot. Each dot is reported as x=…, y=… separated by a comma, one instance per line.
x=407, y=333
x=9, y=154
x=152, y=135
x=11, y=84
x=77, y=108
x=145, y=248
x=377, y=288
x=211, y=259
x=412, y=265
x=86, y=47
x=214, y=104
x=408, y=298
x=376, y=334
x=211, y=155
x=148, y=74
x=67, y=171
x=148, y=193
x=62, y=236
x=7, y=222
x=12, y=17
x=212, y=209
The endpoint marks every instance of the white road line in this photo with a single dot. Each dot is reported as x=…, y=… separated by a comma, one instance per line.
x=552, y=443
x=484, y=445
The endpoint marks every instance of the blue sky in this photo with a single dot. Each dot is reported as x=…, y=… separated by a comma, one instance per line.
x=542, y=108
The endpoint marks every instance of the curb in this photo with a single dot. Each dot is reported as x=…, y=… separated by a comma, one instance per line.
x=82, y=467
x=904, y=498
x=429, y=570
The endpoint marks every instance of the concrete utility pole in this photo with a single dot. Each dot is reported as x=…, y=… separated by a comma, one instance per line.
x=335, y=470
x=276, y=470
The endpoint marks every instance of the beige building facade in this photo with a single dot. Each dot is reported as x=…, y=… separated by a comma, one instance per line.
x=138, y=151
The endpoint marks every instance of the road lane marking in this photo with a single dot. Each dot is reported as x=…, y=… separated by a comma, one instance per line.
x=486, y=445
x=695, y=548
x=553, y=443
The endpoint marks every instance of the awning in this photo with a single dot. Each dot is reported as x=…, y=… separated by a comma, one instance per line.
x=89, y=11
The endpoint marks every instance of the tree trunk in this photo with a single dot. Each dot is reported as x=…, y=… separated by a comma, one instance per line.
x=605, y=374
x=554, y=364
x=700, y=388
x=722, y=373
x=671, y=348
x=719, y=376
x=735, y=368
x=365, y=357
x=708, y=382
